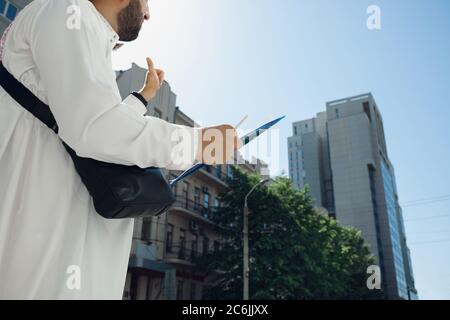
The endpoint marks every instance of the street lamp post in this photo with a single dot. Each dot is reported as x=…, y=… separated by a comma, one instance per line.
x=245, y=269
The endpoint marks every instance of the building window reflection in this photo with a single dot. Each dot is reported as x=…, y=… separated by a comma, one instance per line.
x=8, y=10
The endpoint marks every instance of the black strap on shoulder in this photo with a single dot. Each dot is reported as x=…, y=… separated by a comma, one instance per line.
x=26, y=98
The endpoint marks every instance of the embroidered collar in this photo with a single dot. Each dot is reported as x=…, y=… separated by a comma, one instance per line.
x=113, y=37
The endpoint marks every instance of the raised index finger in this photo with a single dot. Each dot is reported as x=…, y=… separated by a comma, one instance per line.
x=150, y=65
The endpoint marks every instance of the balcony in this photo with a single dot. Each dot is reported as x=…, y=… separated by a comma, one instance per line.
x=215, y=173
x=180, y=254
x=143, y=260
x=194, y=208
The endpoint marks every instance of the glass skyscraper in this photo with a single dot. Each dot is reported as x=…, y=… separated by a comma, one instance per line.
x=341, y=155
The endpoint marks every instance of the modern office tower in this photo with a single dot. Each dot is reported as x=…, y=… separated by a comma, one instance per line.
x=341, y=155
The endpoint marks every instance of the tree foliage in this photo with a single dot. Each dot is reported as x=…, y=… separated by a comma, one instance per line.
x=295, y=252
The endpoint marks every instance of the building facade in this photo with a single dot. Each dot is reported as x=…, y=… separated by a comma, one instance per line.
x=164, y=247
x=341, y=155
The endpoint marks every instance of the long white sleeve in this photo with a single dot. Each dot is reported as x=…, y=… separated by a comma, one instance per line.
x=75, y=69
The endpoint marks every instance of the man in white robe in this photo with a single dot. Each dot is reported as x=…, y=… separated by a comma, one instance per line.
x=53, y=245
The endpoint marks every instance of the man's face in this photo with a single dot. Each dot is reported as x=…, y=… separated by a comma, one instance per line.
x=131, y=18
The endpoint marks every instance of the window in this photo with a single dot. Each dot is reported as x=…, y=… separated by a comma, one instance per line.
x=295, y=131
x=11, y=12
x=196, y=198
x=169, y=241
x=337, y=112
x=180, y=288
x=194, y=245
x=8, y=10
x=185, y=192
x=205, y=209
x=2, y=6
x=216, y=203
x=206, y=200
x=182, y=243
x=306, y=126
x=185, y=189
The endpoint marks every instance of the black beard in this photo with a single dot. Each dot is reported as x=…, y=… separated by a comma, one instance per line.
x=130, y=21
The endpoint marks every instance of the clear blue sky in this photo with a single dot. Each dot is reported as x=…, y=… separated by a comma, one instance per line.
x=226, y=58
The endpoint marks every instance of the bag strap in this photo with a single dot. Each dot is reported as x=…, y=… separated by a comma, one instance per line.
x=27, y=99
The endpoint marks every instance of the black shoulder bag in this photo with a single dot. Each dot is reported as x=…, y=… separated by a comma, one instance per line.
x=118, y=191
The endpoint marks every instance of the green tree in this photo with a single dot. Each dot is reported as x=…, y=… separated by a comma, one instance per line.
x=295, y=252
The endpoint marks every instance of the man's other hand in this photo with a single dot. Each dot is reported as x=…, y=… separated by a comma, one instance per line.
x=153, y=81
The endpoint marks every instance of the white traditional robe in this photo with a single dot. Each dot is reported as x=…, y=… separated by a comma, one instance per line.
x=49, y=229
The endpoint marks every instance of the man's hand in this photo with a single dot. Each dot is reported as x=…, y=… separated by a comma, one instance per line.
x=153, y=81
x=218, y=145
